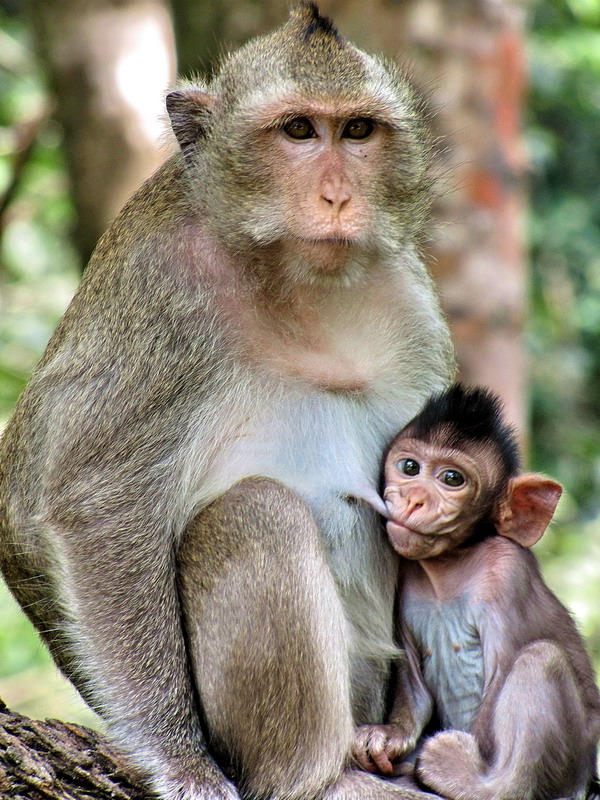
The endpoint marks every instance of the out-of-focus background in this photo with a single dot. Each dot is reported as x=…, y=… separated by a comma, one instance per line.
x=515, y=248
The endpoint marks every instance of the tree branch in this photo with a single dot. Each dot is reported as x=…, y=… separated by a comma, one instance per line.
x=26, y=135
x=53, y=760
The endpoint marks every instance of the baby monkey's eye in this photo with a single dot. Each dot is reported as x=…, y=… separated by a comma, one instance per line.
x=299, y=128
x=452, y=477
x=409, y=466
x=359, y=128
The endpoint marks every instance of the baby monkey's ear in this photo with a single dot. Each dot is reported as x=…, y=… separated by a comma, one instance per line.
x=527, y=508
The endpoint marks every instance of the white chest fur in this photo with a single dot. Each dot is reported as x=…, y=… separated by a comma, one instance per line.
x=327, y=444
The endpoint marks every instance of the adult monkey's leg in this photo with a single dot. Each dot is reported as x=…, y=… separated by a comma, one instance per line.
x=269, y=644
x=268, y=640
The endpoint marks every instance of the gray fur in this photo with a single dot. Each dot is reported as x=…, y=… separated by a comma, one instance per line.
x=150, y=403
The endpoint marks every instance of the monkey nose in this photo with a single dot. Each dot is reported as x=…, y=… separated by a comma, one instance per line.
x=413, y=504
x=336, y=196
x=336, y=201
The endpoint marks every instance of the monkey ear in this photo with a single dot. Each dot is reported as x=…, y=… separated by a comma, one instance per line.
x=528, y=508
x=189, y=110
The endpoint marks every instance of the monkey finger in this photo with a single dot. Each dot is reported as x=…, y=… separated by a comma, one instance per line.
x=370, y=766
x=363, y=760
x=384, y=765
x=399, y=745
x=376, y=746
x=361, y=748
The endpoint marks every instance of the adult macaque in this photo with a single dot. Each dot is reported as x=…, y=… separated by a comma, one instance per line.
x=495, y=660
x=258, y=302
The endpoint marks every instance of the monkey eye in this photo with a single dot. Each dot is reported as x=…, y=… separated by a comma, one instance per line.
x=409, y=466
x=452, y=477
x=299, y=128
x=359, y=128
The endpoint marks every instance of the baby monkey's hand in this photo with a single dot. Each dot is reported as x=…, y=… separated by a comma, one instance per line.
x=379, y=748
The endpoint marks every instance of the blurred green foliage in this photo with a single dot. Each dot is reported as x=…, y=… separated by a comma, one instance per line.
x=564, y=136
x=39, y=270
x=38, y=265
x=563, y=131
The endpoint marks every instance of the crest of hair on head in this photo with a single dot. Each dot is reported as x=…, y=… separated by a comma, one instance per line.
x=463, y=415
x=309, y=16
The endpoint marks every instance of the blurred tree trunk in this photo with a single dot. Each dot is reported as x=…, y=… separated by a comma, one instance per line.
x=468, y=57
x=109, y=64
x=204, y=28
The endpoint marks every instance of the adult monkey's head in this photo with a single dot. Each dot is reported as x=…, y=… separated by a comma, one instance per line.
x=307, y=148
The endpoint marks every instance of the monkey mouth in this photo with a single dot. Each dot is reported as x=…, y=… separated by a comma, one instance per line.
x=394, y=526
x=339, y=241
x=327, y=241
x=410, y=543
x=326, y=254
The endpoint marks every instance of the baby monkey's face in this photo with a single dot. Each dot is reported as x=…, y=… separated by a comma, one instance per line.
x=434, y=495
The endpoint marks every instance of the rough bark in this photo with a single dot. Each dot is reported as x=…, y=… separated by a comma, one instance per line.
x=52, y=760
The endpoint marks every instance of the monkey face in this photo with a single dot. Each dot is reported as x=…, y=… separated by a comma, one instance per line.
x=321, y=182
x=324, y=167
x=434, y=496
x=307, y=155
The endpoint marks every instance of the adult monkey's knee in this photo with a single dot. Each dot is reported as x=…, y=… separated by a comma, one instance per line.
x=268, y=640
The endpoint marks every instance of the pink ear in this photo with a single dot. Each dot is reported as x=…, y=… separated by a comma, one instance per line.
x=528, y=508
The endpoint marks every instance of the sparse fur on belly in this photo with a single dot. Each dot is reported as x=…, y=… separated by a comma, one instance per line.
x=452, y=657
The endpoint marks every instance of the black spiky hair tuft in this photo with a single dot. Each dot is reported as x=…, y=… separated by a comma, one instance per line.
x=316, y=22
x=468, y=415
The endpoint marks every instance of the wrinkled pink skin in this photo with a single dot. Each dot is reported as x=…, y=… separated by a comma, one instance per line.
x=537, y=723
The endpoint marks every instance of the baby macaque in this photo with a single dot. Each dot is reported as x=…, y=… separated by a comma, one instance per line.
x=497, y=675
